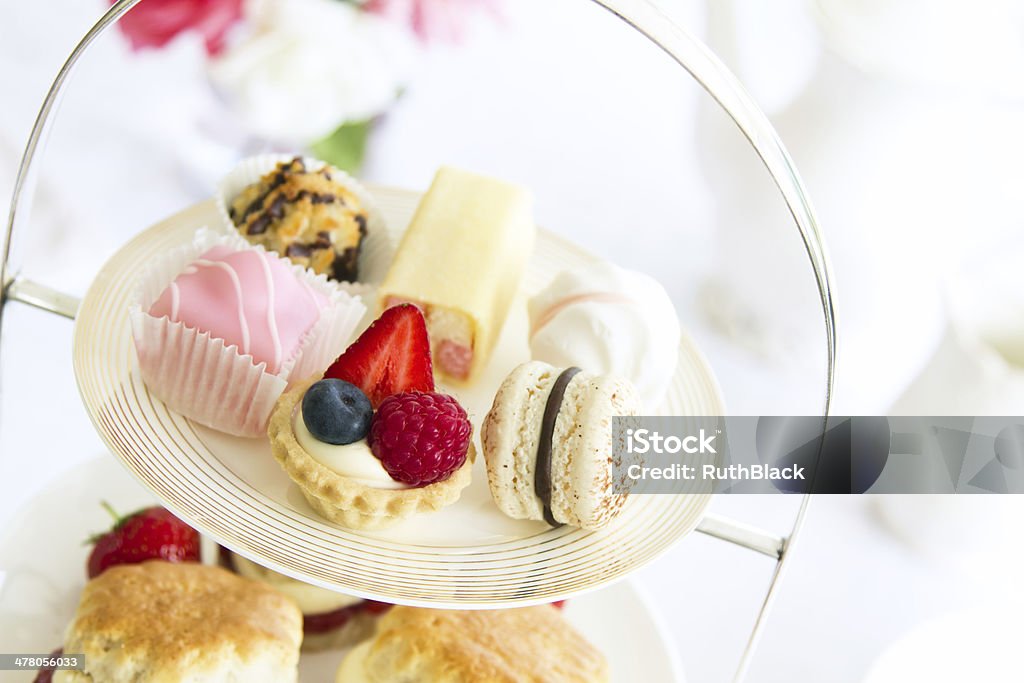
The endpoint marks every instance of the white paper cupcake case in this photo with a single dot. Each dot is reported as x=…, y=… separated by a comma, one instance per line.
x=210, y=382
x=375, y=252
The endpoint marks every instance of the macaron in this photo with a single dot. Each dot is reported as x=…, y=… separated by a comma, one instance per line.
x=548, y=444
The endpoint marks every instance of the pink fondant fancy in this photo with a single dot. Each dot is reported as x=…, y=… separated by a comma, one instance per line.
x=248, y=298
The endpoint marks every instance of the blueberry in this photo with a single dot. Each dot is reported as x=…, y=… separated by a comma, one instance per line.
x=336, y=412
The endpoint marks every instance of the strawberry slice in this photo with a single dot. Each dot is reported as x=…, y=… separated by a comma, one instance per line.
x=392, y=356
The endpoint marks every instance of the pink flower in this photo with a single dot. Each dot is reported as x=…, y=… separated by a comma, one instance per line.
x=432, y=20
x=154, y=23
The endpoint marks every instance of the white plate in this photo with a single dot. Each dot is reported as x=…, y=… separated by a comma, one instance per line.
x=42, y=571
x=468, y=555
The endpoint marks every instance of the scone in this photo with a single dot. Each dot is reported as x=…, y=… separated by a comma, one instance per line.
x=548, y=443
x=414, y=645
x=312, y=216
x=159, y=622
x=330, y=620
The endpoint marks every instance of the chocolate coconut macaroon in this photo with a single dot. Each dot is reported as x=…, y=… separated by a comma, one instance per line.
x=313, y=217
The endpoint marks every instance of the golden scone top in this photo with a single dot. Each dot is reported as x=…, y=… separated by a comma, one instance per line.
x=483, y=646
x=166, y=621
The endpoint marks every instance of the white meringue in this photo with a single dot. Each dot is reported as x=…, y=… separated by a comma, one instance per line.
x=608, y=320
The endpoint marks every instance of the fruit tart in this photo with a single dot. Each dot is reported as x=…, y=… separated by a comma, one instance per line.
x=372, y=443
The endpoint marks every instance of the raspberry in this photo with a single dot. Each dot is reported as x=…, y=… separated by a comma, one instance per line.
x=420, y=437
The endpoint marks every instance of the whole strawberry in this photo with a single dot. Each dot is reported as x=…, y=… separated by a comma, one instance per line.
x=149, y=534
x=420, y=437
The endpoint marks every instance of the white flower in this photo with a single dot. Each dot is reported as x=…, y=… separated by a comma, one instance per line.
x=309, y=65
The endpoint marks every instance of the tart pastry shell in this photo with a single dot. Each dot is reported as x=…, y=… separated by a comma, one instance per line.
x=346, y=501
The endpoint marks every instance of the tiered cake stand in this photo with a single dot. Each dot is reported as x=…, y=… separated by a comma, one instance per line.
x=706, y=70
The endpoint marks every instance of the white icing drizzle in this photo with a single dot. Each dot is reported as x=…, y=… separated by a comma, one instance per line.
x=271, y=309
x=242, y=322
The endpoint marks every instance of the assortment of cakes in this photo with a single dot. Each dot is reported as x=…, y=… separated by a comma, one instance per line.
x=302, y=209
x=372, y=443
x=246, y=333
x=608, y=320
x=482, y=231
x=449, y=646
x=232, y=336
x=548, y=442
x=221, y=328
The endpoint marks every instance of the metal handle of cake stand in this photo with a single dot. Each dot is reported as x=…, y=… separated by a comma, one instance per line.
x=691, y=55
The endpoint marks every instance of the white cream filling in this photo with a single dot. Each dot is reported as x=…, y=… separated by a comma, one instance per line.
x=353, y=669
x=355, y=460
x=309, y=598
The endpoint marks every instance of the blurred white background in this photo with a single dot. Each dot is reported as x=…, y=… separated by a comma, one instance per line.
x=904, y=119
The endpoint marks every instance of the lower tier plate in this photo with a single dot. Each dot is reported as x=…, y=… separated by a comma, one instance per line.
x=42, y=571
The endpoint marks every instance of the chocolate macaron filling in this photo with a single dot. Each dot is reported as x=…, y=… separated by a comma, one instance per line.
x=542, y=472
